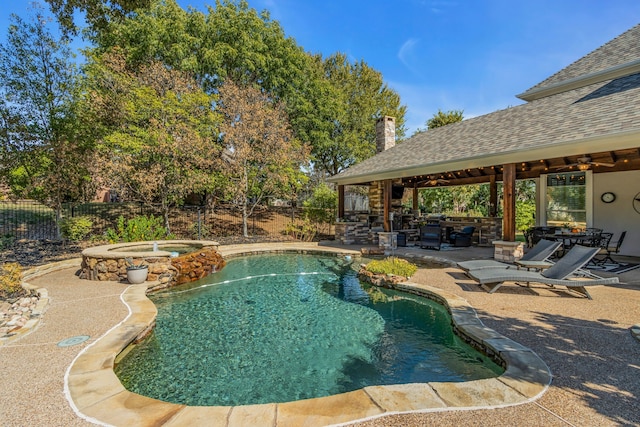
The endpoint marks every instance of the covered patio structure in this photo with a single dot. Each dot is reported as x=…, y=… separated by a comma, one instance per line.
x=583, y=119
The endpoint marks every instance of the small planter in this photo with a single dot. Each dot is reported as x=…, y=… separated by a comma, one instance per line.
x=137, y=275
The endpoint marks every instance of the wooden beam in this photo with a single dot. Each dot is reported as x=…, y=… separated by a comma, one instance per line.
x=509, y=200
x=340, y=201
x=415, y=199
x=386, y=195
x=493, y=196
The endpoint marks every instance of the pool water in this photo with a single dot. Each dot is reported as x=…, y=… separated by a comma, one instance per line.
x=180, y=249
x=278, y=328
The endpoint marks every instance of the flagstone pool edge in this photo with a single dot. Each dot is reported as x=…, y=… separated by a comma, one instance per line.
x=96, y=394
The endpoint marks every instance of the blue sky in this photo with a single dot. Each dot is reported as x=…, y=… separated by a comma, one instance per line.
x=470, y=55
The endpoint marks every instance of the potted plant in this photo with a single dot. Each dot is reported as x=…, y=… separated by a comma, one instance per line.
x=136, y=274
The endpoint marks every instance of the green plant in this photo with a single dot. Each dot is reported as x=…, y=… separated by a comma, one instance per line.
x=305, y=231
x=392, y=265
x=6, y=241
x=204, y=231
x=525, y=214
x=138, y=229
x=75, y=229
x=132, y=266
x=320, y=208
x=11, y=280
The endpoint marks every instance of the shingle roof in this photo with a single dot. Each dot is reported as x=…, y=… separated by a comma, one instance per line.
x=572, y=121
x=592, y=113
x=621, y=50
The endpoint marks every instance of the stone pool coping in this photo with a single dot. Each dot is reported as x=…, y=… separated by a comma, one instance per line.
x=114, y=251
x=96, y=394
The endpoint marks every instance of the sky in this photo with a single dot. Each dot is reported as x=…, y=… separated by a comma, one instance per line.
x=469, y=55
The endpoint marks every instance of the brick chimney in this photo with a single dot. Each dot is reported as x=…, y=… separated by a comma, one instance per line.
x=385, y=133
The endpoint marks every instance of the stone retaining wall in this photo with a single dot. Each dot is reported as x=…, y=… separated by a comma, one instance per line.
x=104, y=263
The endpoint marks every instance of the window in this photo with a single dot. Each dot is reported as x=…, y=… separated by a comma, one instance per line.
x=566, y=199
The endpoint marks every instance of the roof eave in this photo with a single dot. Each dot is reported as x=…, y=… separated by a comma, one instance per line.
x=612, y=141
x=618, y=71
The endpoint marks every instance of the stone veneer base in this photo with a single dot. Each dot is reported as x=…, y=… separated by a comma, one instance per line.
x=107, y=262
x=96, y=393
x=507, y=251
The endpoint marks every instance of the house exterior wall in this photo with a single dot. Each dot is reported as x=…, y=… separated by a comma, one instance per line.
x=619, y=215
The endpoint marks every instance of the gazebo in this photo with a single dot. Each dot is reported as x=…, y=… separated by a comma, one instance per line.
x=583, y=119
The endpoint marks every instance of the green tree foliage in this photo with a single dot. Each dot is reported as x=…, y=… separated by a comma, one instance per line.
x=259, y=146
x=98, y=13
x=160, y=134
x=320, y=208
x=442, y=119
x=354, y=95
x=525, y=214
x=331, y=103
x=44, y=144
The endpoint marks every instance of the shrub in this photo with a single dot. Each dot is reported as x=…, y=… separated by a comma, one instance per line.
x=75, y=229
x=305, y=231
x=138, y=229
x=206, y=231
x=525, y=214
x=392, y=265
x=321, y=206
x=6, y=241
x=11, y=280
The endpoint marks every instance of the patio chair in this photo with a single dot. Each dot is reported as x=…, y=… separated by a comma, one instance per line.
x=566, y=272
x=430, y=236
x=462, y=237
x=539, y=253
x=591, y=237
x=607, y=248
x=535, y=234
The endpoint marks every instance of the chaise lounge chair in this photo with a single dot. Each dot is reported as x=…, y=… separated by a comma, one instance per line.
x=538, y=254
x=566, y=272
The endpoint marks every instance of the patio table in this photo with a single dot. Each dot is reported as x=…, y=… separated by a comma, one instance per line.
x=570, y=239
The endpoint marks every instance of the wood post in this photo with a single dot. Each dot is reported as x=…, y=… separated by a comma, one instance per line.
x=386, y=196
x=509, y=199
x=415, y=199
x=340, y=201
x=493, y=196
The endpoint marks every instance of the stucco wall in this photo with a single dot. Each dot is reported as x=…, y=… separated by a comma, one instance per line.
x=618, y=216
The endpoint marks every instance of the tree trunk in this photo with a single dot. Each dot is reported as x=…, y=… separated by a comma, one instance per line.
x=245, y=201
x=165, y=215
x=245, y=231
x=58, y=219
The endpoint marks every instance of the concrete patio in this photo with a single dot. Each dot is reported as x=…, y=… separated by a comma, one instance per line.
x=588, y=346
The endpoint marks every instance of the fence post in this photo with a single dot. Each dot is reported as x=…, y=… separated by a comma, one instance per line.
x=73, y=211
x=199, y=225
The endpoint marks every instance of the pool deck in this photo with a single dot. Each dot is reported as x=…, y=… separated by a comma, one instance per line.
x=588, y=346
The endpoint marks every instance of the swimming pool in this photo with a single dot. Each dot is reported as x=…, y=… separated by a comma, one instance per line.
x=277, y=328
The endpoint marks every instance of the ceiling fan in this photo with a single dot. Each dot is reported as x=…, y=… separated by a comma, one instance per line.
x=584, y=163
x=433, y=182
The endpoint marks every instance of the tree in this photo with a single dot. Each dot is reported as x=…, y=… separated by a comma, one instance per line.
x=351, y=97
x=332, y=104
x=442, y=119
x=259, y=146
x=160, y=140
x=98, y=13
x=45, y=147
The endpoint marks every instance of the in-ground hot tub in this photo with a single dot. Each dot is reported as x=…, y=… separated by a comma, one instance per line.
x=174, y=261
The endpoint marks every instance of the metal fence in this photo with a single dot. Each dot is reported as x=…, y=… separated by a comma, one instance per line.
x=27, y=219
